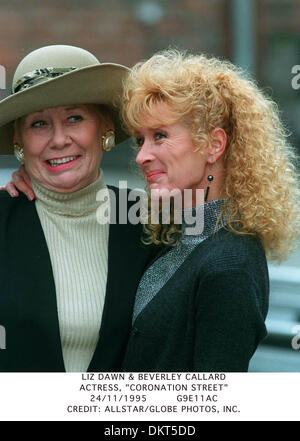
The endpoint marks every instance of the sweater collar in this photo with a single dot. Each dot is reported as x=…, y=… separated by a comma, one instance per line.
x=203, y=219
x=79, y=203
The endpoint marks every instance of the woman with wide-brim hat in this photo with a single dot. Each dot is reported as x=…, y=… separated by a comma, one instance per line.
x=67, y=281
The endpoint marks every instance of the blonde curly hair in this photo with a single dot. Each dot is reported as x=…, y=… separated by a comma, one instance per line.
x=261, y=184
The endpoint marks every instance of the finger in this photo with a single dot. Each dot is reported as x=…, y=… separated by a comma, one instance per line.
x=22, y=174
x=27, y=180
x=16, y=176
x=11, y=189
x=21, y=185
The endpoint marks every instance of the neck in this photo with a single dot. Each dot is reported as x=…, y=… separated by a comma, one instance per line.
x=77, y=203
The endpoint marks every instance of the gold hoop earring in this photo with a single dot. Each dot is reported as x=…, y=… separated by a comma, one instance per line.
x=108, y=140
x=19, y=153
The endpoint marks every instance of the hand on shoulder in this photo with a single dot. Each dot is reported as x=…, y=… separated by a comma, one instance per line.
x=20, y=181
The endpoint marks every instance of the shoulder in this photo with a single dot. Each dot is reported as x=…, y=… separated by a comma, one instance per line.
x=6, y=201
x=234, y=270
x=231, y=258
x=5, y=197
x=9, y=205
x=234, y=250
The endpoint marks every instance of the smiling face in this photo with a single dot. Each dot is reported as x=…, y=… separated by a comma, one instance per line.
x=167, y=155
x=62, y=146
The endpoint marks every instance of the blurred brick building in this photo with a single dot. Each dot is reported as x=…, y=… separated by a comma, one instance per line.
x=125, y=31
x=122, y=31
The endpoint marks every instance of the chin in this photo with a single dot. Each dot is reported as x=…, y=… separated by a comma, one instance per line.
x=66, y=186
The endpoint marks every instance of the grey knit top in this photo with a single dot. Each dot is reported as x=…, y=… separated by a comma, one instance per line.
x=163, y=268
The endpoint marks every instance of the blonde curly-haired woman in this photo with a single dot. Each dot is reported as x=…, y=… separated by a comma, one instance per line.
x=201, y=124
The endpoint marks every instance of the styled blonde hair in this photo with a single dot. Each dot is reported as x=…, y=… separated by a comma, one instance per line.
x=204, y=92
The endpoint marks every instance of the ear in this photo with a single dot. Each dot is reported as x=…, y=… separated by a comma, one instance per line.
x=109, y=124
x=218, y=141
x=106, y=121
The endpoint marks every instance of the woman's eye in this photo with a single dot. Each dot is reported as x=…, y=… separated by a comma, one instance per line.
x=139, y=142
x=159, y=135
x=39, y=123
x=75, y=118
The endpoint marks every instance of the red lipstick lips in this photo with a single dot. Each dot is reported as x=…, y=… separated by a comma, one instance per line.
x=152, y=175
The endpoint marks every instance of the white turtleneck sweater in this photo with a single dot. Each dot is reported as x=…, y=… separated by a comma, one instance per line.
x=78, y=247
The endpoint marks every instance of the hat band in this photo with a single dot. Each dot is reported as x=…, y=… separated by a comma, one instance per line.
x=39, y=76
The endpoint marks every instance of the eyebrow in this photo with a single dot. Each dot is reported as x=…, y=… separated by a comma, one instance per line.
x=73, y=108
x=40, y=112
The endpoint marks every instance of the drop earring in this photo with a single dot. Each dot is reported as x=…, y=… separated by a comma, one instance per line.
x=108, y=141
x=210, y=178
x=19, y=153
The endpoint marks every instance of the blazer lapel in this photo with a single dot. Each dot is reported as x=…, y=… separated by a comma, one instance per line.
x=33, y=340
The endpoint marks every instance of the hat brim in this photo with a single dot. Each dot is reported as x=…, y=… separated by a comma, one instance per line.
x=96, y=84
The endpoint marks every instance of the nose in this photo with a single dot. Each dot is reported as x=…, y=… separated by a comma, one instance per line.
x=60, y=136
x=145, y=155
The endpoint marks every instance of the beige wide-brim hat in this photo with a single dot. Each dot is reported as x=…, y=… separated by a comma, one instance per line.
x=60, y=75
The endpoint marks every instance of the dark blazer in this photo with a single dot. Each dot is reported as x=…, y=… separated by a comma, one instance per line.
x=209, y=316
x=28, y=309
